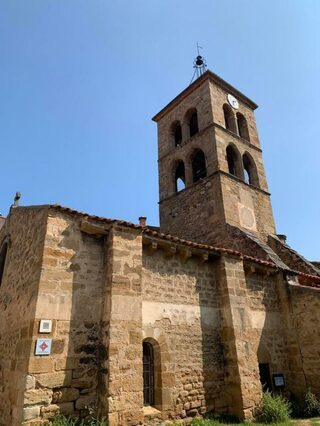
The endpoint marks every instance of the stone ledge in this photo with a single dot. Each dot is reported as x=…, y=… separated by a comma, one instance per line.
x=149, y=411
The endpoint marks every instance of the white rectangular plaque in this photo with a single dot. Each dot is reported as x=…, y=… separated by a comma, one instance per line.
x=45, y=326
x=43, y=346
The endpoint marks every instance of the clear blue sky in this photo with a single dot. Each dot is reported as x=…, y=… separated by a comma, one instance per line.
x=81, y=79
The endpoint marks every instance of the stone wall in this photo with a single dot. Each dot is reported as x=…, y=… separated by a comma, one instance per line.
x=107, y=288
x=24, y=230
x=306, y=316
x=194, y=213
x=223, y=139
x=266, y=331
x=203, y=140
x=247, y=207
x=199, y=213
x=200, y=100
x=71, y=292
x=124, y=316
x=181, y=316
x=257, y=327
x=219, y=98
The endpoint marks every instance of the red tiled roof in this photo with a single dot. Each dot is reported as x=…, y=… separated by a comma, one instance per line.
x=309, y=280
x=166, y=237
x=220, y=250
x=98, y=218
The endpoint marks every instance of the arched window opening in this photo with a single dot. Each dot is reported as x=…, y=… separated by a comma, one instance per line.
x=242, y=126
x=231, y=163
x=178, y=135
x=199, y=170
x=246, y=175
x=229, y=118
x=3, y=255
x=250, y=170
x=148, y=374
x=193, y=124
x=234, y=162
x=176, y=132
x=180, y=180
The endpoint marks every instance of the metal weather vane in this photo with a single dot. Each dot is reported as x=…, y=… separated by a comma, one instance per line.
x=199, y=65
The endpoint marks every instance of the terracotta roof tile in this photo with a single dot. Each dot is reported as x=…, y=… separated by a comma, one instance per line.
x=310, y=280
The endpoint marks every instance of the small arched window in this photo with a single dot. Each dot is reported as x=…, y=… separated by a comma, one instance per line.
x=3, y=255
x=250, y=170
x=246, y=175
x=179, y=177
x=148, y=374
x=234, y=161
x=199, y=170
x=242, y=126
x=229, y=118
x=176, y=132
x=193, y=123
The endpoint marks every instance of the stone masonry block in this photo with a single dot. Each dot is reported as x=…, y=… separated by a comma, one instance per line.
x=38, y=396
x=65, y=395
x=30, y=413
x=55, y=380
x=40, y=365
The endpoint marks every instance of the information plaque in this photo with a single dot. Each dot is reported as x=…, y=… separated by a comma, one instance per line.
x=43, y=346
x=278, y=380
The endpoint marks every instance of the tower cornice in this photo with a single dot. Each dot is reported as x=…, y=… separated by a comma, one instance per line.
x=208, y=75
x=210, y=177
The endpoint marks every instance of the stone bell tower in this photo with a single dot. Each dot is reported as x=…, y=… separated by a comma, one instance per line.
x=211, y=169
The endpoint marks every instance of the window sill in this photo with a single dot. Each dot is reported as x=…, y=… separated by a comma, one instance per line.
x=148, y=410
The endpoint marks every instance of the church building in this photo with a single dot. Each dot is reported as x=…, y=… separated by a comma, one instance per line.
x=144, y=324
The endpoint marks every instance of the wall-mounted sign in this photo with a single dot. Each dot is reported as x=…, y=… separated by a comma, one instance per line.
x=43, y=346
x=45, y=326
x=278, y=380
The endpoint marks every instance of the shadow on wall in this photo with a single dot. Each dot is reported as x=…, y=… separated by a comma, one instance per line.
x=181, y=312
x=78, y=346
x=213, y=359
x=273, y=328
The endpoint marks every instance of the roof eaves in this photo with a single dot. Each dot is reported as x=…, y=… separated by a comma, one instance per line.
x=220, y=250
x=197, y=83
x=168, y=237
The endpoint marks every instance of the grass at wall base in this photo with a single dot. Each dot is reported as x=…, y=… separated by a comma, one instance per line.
x=273, y=409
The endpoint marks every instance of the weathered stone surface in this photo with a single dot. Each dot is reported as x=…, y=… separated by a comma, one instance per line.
x=40, y=365
x=50, y=411
x=26, y=382
x=67, y=363
x=30, y=382
x=25, y=233
x=38, y=396
x=30, y=413
x=65, y=395
x=54, y=380
x=66, y=408
x=82, y=383
x=85, y=402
